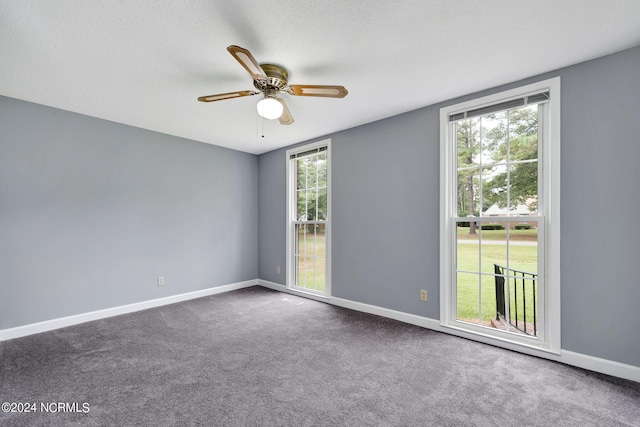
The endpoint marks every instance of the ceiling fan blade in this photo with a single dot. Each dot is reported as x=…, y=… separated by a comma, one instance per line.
x=319, y=90
x=229, y=95
x=286, y=118
x=246, y=59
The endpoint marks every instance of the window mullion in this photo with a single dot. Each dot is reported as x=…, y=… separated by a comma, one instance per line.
x=508, y=160
x=480, y=173
x=480, y=169
x=317, y=188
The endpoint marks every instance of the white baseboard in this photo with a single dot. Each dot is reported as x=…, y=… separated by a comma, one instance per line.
x=604, y=366
x=412, y=319
x=49, y=325
x=282, y=288
x=273, y=285
x=579, y=360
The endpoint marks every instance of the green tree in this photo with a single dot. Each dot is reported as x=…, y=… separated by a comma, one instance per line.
x=520, y=127
x=311, y=194
x=468, y=144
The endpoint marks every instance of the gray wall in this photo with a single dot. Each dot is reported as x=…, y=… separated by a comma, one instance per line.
x=272, y=217
x=91, y=212
x=600, y=204
x=386, y=209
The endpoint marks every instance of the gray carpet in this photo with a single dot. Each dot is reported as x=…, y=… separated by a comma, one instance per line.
x=256, y=357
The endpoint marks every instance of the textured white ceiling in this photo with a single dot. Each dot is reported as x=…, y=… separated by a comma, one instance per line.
x=144, y=62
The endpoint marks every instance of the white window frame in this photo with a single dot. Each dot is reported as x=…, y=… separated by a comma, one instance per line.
x=291, y=207
x=549, y=205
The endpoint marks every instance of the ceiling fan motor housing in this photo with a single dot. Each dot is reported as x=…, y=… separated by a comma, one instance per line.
x=277, y=78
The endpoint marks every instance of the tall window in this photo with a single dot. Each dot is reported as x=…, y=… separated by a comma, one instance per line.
x=500, y=192
x=308, y=238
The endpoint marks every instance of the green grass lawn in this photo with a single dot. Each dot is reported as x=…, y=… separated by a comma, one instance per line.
x=471, y=286
x=476, y=300
x=311, y=261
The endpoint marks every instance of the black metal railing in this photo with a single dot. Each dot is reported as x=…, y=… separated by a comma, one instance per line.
x=522, y=321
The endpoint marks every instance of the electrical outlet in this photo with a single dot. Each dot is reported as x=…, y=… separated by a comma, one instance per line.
x=160, y=281
x=277, y=269
x=423, y=295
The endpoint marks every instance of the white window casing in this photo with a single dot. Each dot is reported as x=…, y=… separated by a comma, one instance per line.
x=548, y=216
x=323, y=146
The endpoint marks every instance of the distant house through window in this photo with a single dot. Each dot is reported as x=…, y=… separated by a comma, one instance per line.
x=500, y=169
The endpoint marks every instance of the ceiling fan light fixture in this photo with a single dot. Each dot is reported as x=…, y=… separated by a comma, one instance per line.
x=270, y=108
x=271, y=79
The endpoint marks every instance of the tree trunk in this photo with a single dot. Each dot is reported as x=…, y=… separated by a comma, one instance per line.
x=472, y=225
x=469, y=160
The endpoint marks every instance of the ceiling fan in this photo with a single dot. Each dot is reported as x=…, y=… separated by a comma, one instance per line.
x=271, y=79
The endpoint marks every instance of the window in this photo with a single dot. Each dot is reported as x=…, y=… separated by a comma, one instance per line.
x=308, y=216
x=499, y=225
